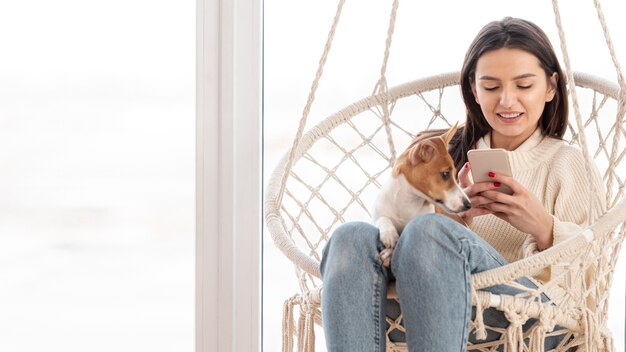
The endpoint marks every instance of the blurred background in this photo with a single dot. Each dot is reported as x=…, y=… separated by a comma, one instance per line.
x=430, y=38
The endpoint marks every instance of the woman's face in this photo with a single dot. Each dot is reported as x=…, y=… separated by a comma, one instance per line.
x=512, y=89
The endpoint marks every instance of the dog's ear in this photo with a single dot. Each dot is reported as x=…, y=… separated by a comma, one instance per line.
x=447, y=137
x=422, y=152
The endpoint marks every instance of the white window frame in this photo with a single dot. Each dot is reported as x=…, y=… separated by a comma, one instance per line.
x=228, y=175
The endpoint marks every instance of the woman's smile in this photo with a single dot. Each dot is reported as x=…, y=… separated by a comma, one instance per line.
x=510, y=117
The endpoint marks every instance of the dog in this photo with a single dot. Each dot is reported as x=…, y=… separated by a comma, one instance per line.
x=423, y=178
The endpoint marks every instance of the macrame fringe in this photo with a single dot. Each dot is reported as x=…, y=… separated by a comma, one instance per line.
x=305, y=332
x=309, y=332
x=514, y=332
x=538, y=339
x=515, y=337
x=546, y=323
x=607, y=340
x=481, y=330
x=288, y=324
x=300, y=333
x=594, y=337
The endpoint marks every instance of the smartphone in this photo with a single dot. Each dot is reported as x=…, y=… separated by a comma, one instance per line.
x=484, y=160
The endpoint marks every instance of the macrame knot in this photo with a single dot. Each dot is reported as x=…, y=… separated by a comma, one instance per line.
x=309, y=303
x=515, y=333
x=381, y=86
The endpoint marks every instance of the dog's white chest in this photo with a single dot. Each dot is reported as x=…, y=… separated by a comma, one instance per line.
x=399, y=202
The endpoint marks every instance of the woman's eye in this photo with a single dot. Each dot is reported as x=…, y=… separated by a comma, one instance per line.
x=445, y=175
x=490, y=88
x=524, y=87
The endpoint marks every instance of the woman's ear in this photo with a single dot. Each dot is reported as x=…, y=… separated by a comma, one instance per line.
x=552, y=84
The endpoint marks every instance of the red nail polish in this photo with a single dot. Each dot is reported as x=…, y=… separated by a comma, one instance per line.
x=497, y=184
x=491, y=174
x=467, y=165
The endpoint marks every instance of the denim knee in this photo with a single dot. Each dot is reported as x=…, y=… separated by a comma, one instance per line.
x=351, y=245
x=429, y=225
x=354, y=238
x=423, y=229
x=422, y=239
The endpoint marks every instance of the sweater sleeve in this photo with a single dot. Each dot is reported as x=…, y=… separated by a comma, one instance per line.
x=568, y=197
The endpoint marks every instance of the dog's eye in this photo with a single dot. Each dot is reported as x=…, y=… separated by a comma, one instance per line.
x=445, y=175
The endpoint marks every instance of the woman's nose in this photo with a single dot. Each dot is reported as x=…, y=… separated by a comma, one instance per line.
x=507, y=98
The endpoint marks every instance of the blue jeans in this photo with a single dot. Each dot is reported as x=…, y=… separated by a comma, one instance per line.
x=432, y=265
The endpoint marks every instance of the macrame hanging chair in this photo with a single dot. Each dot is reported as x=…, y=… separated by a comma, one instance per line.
x=332, y=173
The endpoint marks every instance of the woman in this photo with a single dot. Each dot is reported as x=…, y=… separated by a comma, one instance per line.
x=516, y=99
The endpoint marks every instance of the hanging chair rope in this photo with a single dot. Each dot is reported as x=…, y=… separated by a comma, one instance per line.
x=619, y=121
x=381, y=87
x=582, y=139
x=609, y=44
x=311, y=98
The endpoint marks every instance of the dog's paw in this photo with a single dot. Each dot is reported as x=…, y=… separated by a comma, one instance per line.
x=385, y=256
x=389, y=237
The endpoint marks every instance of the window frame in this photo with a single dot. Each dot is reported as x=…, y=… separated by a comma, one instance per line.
x=228, y=175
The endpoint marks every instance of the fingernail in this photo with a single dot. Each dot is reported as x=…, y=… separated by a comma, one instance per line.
x=491, y=174
x=497, y=184
x=467, y=165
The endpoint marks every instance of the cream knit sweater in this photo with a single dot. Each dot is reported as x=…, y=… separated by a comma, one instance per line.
x=555, y=172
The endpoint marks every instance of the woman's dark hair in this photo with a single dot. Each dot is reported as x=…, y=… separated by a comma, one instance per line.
x=513, y=33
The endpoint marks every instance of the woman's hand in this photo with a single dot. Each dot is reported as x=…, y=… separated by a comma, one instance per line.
x=521, y=209
x=473, y=192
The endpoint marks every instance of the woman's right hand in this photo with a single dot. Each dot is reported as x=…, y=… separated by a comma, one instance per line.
x=473, y=192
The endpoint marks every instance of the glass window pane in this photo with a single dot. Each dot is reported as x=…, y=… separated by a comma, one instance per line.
x=97, y=148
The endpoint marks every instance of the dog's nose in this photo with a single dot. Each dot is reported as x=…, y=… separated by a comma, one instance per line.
x=467, y=203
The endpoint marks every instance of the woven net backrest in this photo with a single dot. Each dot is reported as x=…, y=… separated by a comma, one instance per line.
x=601, y=106
x=340, y=164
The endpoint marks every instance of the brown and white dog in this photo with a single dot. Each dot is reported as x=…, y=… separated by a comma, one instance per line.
x=423, y=177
